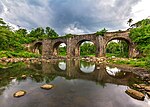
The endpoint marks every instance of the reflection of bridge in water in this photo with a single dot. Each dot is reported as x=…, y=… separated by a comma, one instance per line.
x=73, y=71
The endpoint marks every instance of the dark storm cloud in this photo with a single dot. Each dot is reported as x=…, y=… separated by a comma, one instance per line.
x=75, y=16
x=91, y=15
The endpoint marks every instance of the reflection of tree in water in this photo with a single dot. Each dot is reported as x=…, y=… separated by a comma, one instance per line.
x=121, y=74
x=86, y=64
x=37, y=66
x=19, y=69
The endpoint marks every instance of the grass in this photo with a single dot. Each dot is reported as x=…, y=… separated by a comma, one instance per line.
x=133, y=62
x=24, y=54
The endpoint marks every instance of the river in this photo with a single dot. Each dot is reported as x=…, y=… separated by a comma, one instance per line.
x=76, y=84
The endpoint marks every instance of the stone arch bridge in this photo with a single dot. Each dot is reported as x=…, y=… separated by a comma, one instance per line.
x=50, y=46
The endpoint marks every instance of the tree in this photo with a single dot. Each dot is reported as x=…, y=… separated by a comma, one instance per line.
x=87, y=49
x=119, y=48
x=130, y=21
x=37, y=33
x=141, y=36
x=51, y=33
x=143, y=22
x=101, y=32
x=7, y=38
x=2, y=22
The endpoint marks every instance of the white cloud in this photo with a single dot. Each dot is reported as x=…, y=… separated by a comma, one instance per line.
x=141, y=10
x=72, y=29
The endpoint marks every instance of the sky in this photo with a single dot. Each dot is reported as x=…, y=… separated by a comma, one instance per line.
x=74, y=16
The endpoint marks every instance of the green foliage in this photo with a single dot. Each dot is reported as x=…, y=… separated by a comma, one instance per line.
x=62, y=51
x=51, y=33
x=8, y=40
x=11, y=42
x=118, y=49
x=87, y=49
x=24, y=54
x=141, y=36
x=132, y=62
x=101, y=32
x=2, y=22
x=68, y=35
x=147, y=61
x=143, y=22
x=40, y=34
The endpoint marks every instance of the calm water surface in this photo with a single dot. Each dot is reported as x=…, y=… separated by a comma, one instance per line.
x=76, y=84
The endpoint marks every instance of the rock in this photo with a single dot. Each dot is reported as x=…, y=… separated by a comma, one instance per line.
x=98, y=67
x=12, y=77
x=37, y=74
x=136, y=86
x=23, y=76
x=142, y=86
x=47, y=86
x=147, y=88
x=135, y=94
x=19, y=93
x=148, y=93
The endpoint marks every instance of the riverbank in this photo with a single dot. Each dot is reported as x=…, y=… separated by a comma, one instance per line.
x=141, y=71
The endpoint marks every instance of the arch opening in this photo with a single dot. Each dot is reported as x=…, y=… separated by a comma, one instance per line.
x=60, y=49
x=85, y=48
x=118, y=48
x=37, y=48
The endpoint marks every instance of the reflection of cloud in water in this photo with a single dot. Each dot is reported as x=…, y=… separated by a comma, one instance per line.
x=87, y=69
x=112, y=71
x=62, y=65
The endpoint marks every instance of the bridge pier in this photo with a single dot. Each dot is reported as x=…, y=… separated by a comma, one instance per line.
x=100, y=47
x=132, y=51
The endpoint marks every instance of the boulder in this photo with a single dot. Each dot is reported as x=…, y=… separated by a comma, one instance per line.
x=23, y=76
x=19, y=93
x=47, y=86
x=147, y=88
x=98, y=67
x=11, y=77
x=135, y=94
x=136, y=86
x=142, y=86
x=148, y=93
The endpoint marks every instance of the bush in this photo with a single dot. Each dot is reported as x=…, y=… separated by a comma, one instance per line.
x=101, y=32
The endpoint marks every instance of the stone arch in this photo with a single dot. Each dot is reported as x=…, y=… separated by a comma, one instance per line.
x=78, y=44
x=118, y=37
x=77, y=48
x=55, y=47
x=37, y=47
